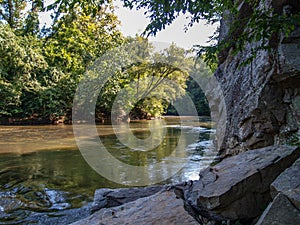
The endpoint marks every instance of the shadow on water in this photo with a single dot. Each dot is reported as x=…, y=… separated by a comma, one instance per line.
x=47, y=183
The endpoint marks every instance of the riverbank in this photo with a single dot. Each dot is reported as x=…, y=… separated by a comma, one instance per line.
x=235, y=191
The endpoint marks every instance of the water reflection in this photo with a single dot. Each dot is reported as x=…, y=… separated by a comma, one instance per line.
x=60, y=179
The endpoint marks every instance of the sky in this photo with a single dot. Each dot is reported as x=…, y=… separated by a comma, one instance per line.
x=134, y=22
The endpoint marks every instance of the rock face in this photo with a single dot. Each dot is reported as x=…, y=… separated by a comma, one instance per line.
x=288, y=183
x=280, y=211
x=106, y=198
x=285, y=191
x=262, y=98
x=161, y=208
x=238, y=188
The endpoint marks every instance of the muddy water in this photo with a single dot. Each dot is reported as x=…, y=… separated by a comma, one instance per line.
x=43, y=172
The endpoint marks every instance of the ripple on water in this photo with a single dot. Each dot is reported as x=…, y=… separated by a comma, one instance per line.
x=49, y=183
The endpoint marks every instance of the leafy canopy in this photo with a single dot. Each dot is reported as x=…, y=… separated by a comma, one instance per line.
x=251, y=21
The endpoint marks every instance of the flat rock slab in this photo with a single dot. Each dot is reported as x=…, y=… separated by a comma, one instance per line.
x=288, y=183
x=106, y=198
x=280, y=212
x=238, y=188
x=161, y=208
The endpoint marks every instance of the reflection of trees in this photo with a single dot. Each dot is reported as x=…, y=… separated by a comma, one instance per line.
x=28, y=177
x=139, y=158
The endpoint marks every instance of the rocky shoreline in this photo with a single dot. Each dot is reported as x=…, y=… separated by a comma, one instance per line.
x=253, y=184
x=254, y=187
x=258, y=180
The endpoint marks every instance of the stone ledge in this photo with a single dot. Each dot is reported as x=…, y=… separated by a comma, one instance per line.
x=238, y=188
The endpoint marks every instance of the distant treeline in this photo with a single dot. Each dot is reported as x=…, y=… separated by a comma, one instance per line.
x=40, y=68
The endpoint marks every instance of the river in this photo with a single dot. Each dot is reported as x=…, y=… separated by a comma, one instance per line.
x=43, y=172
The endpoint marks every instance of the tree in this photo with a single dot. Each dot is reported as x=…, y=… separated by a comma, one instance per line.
x=12, y=11
x=202, y=73
x=39, y=72
x=80, y=38
x=262, y=24
x=23, y=14
x=77, y=41
x=23, y=71
x=141, y=82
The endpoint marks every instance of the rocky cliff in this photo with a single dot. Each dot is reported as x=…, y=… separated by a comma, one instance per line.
x=262, y=98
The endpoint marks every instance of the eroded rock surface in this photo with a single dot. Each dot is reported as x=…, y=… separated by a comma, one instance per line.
x=288, y=183
x=238, y=188
x=106, y=198
x=280, y=211
x=161, y=208
x=262, y=97
x=285, y=191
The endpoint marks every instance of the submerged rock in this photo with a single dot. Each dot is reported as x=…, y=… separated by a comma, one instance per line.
x=58, y=217
x=238, y=188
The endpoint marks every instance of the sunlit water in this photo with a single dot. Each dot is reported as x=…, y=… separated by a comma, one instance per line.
x=42, y=170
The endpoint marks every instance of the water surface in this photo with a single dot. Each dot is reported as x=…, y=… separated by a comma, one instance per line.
x=42, y=170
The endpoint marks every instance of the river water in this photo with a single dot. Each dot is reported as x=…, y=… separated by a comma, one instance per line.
x=42, y=170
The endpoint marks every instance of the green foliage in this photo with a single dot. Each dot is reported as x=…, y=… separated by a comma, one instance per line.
x=162, y=13
x=198, y=97
x=153, y=81
x=41, y=69
x=12, y=11
x=20, y=69
x=256, y=24
x=80, y=38
x=149, y=84
x=10, y=98
x=199, y=73
x=237, y=223
x=293, y=139
x=89, y=7
x=39, y=74
x=26, y=77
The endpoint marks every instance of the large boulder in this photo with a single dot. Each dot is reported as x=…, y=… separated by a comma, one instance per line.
x=285, y=191
x=288, y=183
x=161, y=208
x=238, y=188
x=280, y=212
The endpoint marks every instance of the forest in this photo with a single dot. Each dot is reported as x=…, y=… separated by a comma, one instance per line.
x=41, y=66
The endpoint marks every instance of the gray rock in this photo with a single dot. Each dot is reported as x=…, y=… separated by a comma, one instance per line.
x=255, y=94
x=285, y=208
x=288, y=183
x=238, y=187
x=161, y=208
x=106, y=198
x=280, y=212
x=294, y=197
